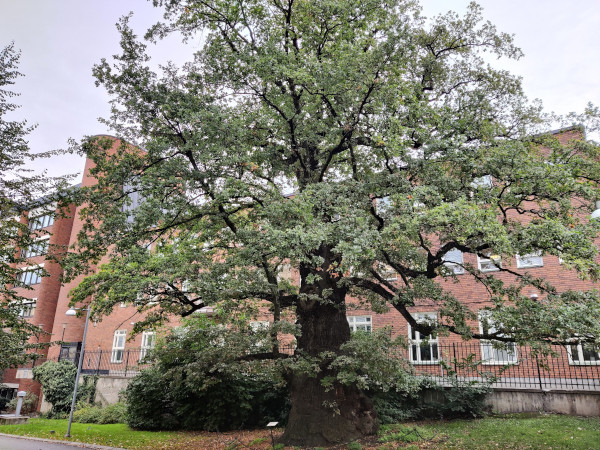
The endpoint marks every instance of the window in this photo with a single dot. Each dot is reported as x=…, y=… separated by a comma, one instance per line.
x=284, y=272
x=39, y=222
x=359, y=323
x=383, y=205
x=453, y=260
x=423, y=349
x=70, y=352
x=118, y=346
x=387, y=272
x=495, y=352
x=583, y=355
x=490, y=264
x=29, y=277
x=530, y=260
x=147, y=343
x=484, y=182
x=132, y=201
x=37, y=248
x=27, y=307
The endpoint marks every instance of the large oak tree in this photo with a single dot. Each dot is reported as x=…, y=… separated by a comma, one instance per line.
x=382, y=125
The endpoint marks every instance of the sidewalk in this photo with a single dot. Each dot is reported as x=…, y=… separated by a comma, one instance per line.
x=14, y=442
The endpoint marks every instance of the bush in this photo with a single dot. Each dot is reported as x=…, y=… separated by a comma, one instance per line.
x=149, y=403
x=101, y=415
x=432, y=401
x=29, y=404
x=87, y=414
x=58, y=382
x=153, y=403
x=198, y=385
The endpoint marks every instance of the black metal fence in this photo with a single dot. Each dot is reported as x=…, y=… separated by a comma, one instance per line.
x=565, y=367
x=509, y=366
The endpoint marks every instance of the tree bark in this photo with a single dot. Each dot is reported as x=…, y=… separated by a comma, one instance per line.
x=319, y=417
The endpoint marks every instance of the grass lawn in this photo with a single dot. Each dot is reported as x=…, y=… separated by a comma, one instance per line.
x=516, y=431
x=512, y=431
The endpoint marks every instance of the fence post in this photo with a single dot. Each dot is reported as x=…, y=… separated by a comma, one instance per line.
x=454, y=353
x=98, y=365
x=537, y=363
x=126, y=362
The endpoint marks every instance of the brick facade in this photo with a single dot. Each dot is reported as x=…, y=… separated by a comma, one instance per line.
x=53, y=299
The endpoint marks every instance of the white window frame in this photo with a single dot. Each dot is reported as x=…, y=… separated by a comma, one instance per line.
x=118, y=348
x=387, y=272
x=47, y=220
x=581, y=360
x=27, y=306
x=534, y=259
x=383, y=205
x=360, y=323
x=39, y=247
x=148, y=341
x=485, y=261
x=284, y=272
x=455, y=265
x=484, y=182
x=491, y=354
x=417, y=341
x=31, y=269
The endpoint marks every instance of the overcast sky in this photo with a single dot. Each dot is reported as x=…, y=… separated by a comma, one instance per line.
x=61, y=40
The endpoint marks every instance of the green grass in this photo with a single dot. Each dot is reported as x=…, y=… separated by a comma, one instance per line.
x=115, y=435
x=514, y=431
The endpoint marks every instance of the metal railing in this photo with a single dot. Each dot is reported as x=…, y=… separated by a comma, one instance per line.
x=508, y=366
x=511, y=366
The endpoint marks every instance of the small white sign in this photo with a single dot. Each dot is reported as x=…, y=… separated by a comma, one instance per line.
x=272, y=424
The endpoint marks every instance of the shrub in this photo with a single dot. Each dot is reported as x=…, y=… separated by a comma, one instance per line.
x=58, y=381
x=87, y=414
x=149, y=402
x=29, y=404
x=114, y=413
x=432, y=401
x=101, y=415
x=198, y=385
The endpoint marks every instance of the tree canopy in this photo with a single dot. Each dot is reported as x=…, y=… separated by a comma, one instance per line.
x=346, y=140
x=19, y=189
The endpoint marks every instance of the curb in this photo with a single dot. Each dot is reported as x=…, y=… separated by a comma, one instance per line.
x=56, y=441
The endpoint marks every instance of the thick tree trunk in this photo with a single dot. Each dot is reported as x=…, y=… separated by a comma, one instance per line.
x=319, y=417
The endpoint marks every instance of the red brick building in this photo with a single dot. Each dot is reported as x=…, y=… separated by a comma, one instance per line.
x=53, y=230
x=111, y=350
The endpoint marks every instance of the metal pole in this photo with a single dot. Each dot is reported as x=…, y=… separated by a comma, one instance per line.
x=87, y=319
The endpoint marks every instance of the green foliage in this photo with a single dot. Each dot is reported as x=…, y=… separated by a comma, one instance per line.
x=29, y=404
x=19, y=189
x=58, y=382
x=197, y=384
x=432, y=401
x=87, y=413
x=354, y=445
x=346, y=104
x=372, y=361
x=149, y=402
x=404, y=434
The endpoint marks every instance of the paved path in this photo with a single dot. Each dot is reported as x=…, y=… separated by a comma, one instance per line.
x=8, y=442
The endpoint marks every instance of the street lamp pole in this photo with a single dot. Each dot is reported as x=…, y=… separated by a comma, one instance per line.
x=72, y=312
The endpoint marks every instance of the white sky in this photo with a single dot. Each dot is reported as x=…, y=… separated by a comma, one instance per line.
x=61, y=40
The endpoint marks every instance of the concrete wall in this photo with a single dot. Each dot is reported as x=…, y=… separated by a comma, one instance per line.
x=108, y=389
x=575, y=403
